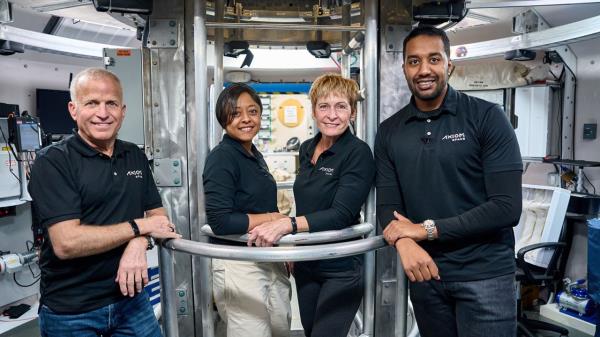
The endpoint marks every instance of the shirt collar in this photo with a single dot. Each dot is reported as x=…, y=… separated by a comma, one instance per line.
x=337, y=146
x=86, y=150
x=227, y=139
x=449, y=105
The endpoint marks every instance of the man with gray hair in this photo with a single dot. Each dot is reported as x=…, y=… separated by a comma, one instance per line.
x=97, y=201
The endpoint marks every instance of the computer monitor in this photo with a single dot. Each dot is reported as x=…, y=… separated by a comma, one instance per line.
x=27, y=135
x=24, y=133
x=53, y=112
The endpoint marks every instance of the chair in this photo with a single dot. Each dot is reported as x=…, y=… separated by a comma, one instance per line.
x=534, y=275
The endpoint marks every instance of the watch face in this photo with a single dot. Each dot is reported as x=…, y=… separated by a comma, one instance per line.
x=429, y=226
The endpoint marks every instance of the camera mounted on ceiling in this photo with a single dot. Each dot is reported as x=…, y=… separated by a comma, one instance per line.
x=319, y=49
x=437, y=12
x=237, y=48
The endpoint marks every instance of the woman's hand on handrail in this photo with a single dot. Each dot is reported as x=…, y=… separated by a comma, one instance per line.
x=268, y=233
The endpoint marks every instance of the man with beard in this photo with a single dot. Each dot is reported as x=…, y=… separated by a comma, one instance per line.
x=449, y=193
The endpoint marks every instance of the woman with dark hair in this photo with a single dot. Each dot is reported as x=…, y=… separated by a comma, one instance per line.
x=253, y=298
x=335, y=177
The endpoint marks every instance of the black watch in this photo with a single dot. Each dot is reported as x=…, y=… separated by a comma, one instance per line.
x=134, y=227
x=294, y=225
x=151, y=242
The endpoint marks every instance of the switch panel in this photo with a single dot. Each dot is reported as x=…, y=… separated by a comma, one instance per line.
x=182, y=302
x=589, y=131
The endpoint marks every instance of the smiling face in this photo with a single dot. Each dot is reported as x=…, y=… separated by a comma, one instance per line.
x=245, y=120
x=98, y=111
x=426, y=67
x=333, y=114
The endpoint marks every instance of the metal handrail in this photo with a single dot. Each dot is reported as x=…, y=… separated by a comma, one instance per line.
x=276, y=254
x=304, y=238
x=241, y=253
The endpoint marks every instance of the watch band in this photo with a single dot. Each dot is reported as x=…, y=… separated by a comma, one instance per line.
x=150, y=242
x=429, y=226
x=294, y=225
x=135, y=228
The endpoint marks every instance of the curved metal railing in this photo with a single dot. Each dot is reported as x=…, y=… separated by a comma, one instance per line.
x=304, y=238
x=257, y=254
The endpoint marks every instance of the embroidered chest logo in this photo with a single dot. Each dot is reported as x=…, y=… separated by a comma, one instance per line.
x=137, y=174
x=327, y=170
x=455, y=137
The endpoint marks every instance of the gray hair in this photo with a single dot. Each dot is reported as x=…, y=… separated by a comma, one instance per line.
x=92, y=73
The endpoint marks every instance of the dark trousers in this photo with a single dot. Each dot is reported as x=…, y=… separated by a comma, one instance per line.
x=329, y=297
x=466, y=309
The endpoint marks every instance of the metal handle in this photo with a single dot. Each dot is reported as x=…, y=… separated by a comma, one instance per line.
x=305, y=238
x=276, y=254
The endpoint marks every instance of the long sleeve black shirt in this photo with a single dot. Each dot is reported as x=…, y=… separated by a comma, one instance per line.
x=460, y=166
x=236, y=183
x=331, y=192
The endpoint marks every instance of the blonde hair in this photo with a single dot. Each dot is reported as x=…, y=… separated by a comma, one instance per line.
x=92, y=73
x=331, y=83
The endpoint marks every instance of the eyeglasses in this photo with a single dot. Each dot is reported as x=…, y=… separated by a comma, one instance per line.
x=338, y=107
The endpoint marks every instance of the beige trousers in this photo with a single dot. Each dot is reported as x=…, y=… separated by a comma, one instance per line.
x=253, y=298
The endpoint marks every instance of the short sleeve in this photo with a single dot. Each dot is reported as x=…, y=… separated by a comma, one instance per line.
x=53, y=189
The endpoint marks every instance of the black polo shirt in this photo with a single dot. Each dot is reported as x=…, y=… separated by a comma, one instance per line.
x=236, y=183
x=71, y=180
x=433, y=165
x=331, y=192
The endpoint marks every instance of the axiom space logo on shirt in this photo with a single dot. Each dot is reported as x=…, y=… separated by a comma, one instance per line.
x=455, y=137
x=327, y=170
x=137, y=174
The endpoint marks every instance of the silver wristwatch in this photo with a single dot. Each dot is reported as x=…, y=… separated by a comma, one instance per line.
x=429, y=226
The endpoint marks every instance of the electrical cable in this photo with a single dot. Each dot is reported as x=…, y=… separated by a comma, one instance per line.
x=24, y=285
x=589, y=182
x=9, y=159
x=9, y=146
x=33, y=275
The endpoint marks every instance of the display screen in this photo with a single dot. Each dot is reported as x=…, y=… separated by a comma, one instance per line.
x=29, y=139
x=53, y=112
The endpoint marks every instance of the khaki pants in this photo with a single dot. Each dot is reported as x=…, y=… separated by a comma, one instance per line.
x=253, y=299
